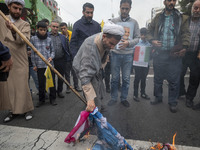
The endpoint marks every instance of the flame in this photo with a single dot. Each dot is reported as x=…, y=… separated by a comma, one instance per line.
x=173, y=144
x=87, y=135
x=158, y=146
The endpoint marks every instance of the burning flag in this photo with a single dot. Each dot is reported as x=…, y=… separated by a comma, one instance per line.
x=82, y=124
x=109, y=138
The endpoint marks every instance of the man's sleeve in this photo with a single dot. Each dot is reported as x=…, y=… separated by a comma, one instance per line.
x=136, y=36
x=185, y=33
x=4, y=53
x=150, y=31
x=89, y=91
x=74, y=41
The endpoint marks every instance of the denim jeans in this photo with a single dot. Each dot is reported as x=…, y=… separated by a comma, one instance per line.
x=123, y=62
x=34, y=76
x=169, y=68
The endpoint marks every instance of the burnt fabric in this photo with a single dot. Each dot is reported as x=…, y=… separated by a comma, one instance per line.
x=108, y=137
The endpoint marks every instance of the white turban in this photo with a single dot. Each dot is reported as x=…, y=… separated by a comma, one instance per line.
x=113, y=29
x=17, y=1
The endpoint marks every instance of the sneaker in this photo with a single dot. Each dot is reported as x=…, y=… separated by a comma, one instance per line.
x=135, y=98
x=145, y=96
x=173, y=108
x=196, y=107
x=125, y=103
x=111, y=102
x=60, y=95
x=156, y=101
x=189, y=103
x=40, y=103
x=28, y=116
x=68, y=91
x=9, y=117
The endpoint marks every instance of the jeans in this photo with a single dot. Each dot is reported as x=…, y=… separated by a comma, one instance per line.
x=34, y=76
x=169, y=68
x=123, y=62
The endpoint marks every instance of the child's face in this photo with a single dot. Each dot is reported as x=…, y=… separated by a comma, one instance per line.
x=143, y=37
x=42, y=31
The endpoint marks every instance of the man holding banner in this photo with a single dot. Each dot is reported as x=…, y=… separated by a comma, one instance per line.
x=141, y=65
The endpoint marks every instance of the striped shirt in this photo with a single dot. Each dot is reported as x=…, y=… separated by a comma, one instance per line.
x=195, y=32
x=45, y=47
x=167, y=37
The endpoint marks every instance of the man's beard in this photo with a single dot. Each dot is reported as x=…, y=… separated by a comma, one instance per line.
x=14, y=16
x=170, y=9
x=196, y=15
x=88, y=19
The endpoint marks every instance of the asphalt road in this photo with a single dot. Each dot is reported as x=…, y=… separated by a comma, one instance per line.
x=141, y=121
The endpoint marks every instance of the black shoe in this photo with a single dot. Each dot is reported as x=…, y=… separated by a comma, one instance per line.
x=78, y=89
x=156, y=101
x=53, y=102
x=173, y=108
x=189, y=103
x=135, y=98
x=68, y=91
x=196, y=107
x=9, y=117
x=61, y=95
x=108, y=90
x=111, y=102
x=145, y=96
x=40, y=103
x=125, y=103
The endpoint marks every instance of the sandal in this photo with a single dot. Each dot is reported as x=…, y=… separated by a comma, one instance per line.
x=28, y=116
x=9, y=117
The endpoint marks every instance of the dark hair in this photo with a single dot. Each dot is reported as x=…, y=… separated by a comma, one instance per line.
x=63, y=24
x=41, y=24
x=89, y=5
x=143, y=31
x=126, y=1
x=45, y=20
x=117, y=37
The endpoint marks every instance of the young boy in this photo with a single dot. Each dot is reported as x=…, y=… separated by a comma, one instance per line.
x=141, y=72
x=45, y=46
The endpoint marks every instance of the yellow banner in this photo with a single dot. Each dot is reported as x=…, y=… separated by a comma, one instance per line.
x=49, y=79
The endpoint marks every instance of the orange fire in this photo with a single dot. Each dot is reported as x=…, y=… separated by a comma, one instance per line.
x=160, y=147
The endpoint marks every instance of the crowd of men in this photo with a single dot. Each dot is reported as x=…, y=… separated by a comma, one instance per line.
x=84, y=52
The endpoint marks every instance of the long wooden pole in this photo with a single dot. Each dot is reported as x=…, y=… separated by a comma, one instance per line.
x=43, y=58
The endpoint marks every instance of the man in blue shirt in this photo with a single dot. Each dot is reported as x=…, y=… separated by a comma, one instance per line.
x=82, y=29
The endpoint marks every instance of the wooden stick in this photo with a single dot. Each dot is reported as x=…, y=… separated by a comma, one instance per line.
x=43, y=58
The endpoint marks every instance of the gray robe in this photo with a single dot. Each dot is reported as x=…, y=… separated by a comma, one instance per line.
x=88, y=65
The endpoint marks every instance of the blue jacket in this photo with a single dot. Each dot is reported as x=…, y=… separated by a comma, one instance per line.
x=4, y=53
x=82, y=29
x=65, y=46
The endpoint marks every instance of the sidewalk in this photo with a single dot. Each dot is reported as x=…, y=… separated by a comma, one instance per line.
x=18, y=138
